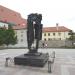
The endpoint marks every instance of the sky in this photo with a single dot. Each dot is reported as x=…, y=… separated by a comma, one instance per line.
x=53, y=11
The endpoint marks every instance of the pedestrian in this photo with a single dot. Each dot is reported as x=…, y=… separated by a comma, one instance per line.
x=43, y=45
x=46, y=45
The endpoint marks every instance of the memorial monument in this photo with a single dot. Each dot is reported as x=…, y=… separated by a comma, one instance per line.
x=34, y=35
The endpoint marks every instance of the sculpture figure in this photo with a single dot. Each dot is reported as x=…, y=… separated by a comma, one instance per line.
x=34, y=35
x=34, y=31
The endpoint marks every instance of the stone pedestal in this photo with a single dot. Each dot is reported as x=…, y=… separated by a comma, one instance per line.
x=32, y=59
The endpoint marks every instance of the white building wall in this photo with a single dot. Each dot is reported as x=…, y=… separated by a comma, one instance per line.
x=2, y=24
x=21, y=38
x=62, y=36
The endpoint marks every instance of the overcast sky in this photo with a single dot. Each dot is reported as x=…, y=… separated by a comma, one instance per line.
x=53, y=11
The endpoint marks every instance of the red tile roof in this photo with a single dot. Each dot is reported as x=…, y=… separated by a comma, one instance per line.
x=55, y=29
x=9, y=15
x=19, y=27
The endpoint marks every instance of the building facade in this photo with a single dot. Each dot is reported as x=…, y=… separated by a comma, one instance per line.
x=21, y=33
x=3, y=24
x=55, y=33
x=20, y=28
x=49, y=34
x=8, y=16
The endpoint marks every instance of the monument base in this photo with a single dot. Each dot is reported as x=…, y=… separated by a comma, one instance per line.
x=32, y=59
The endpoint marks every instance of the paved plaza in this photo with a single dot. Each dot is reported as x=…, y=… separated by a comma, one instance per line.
x=64, y=63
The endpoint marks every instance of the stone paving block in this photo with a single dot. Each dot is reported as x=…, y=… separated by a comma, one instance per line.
x=72, y=71
x=64, y=57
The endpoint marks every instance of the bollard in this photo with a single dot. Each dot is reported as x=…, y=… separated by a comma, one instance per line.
x=53, y=54
x=49, y=66
x=51, y=61
x=6, y=62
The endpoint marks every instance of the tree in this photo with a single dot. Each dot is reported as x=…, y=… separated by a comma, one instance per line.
x=72, y=36
x=7, y=36
x=1, y=36
x=11, y=38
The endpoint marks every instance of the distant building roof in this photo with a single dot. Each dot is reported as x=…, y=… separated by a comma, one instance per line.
x=56, y=29
x=8, y=15
x=19, y=27
x=15, y=27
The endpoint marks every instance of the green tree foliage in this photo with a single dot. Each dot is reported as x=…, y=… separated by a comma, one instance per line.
x=7, y=36
x=2, y=33
x=72, y=35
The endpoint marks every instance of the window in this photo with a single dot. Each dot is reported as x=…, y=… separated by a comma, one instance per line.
x=59, y=33
x=21, y=35
x=21, y=31
x=44, y=34
x=45, y=39
x=54, y=34
x=49, y=39
x=21, y=40
x=48, y=34
x=59, y=38
x=69, y=33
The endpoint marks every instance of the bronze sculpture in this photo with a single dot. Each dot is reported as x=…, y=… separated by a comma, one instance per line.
x=34, y=35
x=34, y=31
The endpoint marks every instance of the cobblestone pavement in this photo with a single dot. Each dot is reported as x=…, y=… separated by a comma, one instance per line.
x=64, y=63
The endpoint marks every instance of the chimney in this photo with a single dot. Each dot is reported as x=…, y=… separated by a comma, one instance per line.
x=57, y=26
